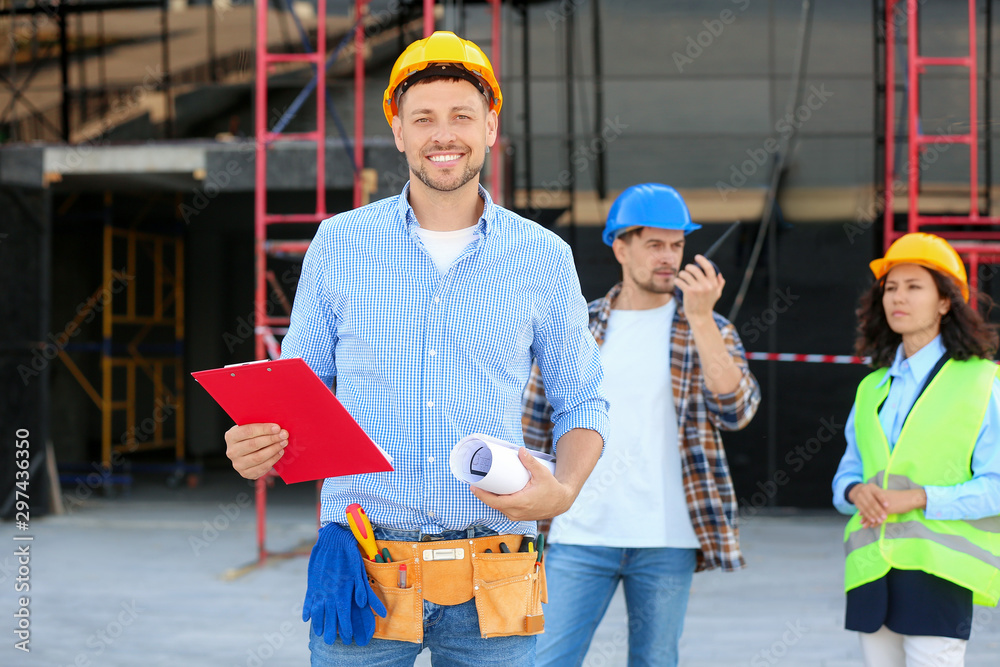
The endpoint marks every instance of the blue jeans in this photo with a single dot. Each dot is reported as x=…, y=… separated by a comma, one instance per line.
x=450, y=632
x=582, y=580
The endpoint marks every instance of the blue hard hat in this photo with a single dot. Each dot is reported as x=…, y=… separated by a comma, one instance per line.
x=648, y=205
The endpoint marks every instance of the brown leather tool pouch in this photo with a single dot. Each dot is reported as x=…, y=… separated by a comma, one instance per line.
x=509, y=588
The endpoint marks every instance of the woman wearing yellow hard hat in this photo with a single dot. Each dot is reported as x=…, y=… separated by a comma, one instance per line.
x=921, y=473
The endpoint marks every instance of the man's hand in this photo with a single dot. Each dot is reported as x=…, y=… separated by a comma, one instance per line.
x=701, y=286
x=255, y=448
x=547, y=495
x=542, y=498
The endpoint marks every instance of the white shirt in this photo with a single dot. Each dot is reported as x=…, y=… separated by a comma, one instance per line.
x=445, y=247
x=635, y=495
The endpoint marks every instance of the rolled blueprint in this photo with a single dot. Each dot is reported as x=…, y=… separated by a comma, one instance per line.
x=492, y=464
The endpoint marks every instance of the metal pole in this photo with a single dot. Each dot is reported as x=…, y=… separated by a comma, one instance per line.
x=260, y=190
x=973, y=116
x=81, y=61
x=602, y=187
x=987, y=108
x=526, y=85
x=890, y=124
x=912, y=112
x=320, y=93
x=570, y=131
x=428, y=17
x=781, y=157
x=44, y=316
x=212, y=73
x=772, y=347
x=64, y=71
x=12, y=74
x=168, y=106
x=359, y=94
x=495, y=154
x=102, y=72
x=878, y=70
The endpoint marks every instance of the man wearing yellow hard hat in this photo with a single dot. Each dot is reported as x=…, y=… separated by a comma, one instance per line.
x=428, y=309
x=921, y=474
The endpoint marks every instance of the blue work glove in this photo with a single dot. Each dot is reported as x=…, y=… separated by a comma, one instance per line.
x=338, y=595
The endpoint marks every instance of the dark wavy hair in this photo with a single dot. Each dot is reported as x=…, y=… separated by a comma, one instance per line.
x=964, y=331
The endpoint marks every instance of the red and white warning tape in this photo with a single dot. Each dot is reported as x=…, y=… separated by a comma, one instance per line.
x=808, y=358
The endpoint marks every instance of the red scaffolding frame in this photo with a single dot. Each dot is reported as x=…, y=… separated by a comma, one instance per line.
x=977, y=246
x=268, y=327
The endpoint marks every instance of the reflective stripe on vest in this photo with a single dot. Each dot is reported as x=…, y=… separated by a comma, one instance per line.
x=934, y=449
x=990, y=524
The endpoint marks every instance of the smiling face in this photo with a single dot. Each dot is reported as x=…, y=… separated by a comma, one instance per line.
x=444, y=127
x=913, y=306
x=650, y=258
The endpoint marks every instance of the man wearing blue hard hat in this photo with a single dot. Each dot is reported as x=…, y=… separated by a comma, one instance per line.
x=660, y=503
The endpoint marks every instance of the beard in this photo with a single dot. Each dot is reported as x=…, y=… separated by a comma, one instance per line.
x=653, y=285
x=447, y=183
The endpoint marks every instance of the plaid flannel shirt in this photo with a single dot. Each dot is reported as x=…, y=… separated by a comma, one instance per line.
x=701, y=414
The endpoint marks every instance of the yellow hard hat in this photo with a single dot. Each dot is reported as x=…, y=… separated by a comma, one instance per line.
x=453, y=56
x=927, y=250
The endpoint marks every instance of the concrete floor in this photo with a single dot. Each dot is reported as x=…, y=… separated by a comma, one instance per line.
x=140, y=579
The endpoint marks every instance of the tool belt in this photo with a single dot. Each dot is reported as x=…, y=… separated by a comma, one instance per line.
x=509, y=588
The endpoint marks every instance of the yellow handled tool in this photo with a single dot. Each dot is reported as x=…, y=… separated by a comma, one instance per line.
x=362, y=529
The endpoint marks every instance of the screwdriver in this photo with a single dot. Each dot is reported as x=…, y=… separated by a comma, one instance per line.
x=362, y=529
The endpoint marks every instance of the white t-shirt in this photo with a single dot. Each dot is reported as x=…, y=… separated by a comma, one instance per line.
x=635, y=495
x=445, y=247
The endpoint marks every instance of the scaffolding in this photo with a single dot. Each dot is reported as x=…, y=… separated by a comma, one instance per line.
x=974, y=233
x=74, y=70
x=269, y=327
x=141, y=349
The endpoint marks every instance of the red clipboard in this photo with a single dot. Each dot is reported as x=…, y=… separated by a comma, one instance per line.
x=323, y=439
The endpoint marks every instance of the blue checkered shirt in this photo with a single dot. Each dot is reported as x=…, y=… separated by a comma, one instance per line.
x=422, y=360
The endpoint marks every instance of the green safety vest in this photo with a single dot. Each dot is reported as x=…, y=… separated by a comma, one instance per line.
x=934, y=449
